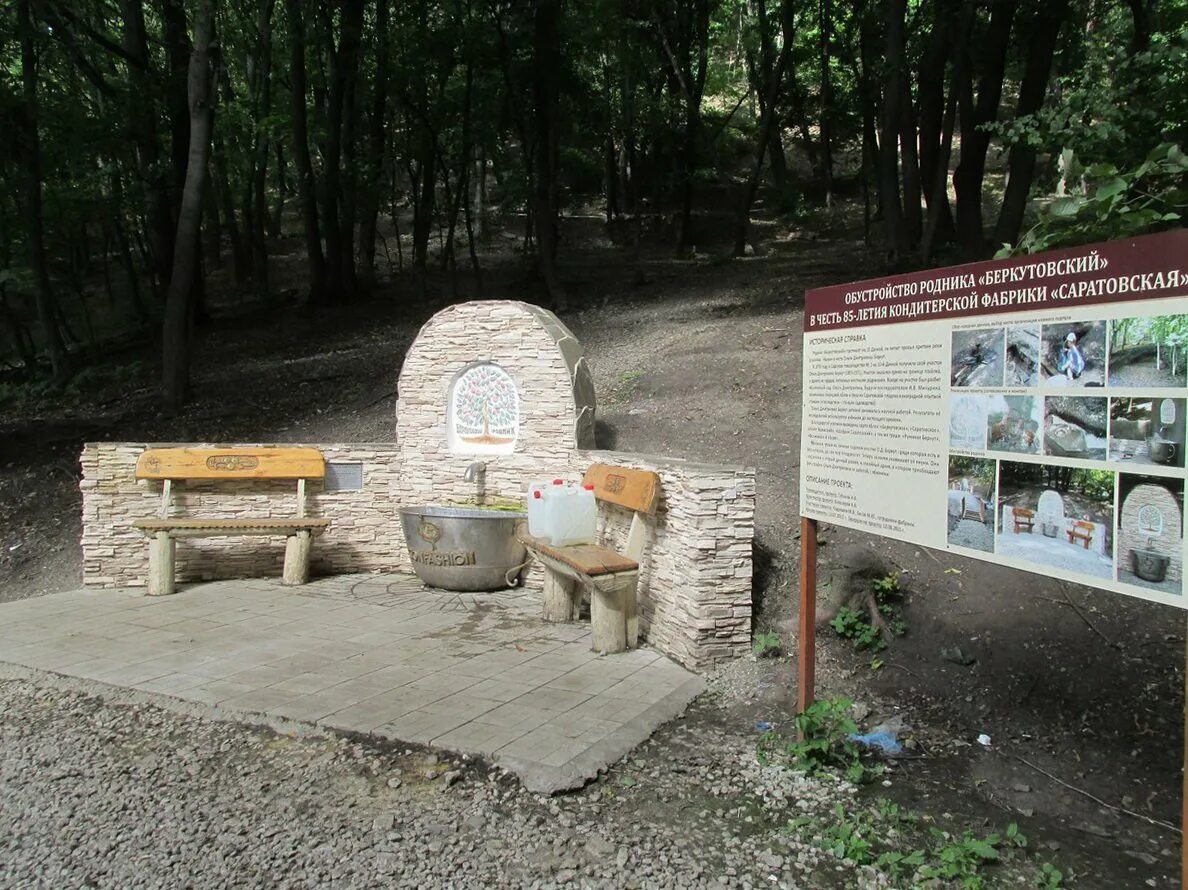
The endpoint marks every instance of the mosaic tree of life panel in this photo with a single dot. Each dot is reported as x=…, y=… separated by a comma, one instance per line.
x=484, y=411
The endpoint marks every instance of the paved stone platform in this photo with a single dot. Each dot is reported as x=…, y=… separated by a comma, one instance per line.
x=379, y=654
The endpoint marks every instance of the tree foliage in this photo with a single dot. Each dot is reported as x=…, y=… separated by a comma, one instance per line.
x=385, y=142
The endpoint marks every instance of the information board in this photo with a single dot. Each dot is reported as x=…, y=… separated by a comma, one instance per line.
x=1028, y=411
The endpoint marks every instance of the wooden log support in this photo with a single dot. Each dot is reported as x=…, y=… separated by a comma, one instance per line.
x=631, y=611
x=297, y=549
x=561, y=600
x=162, y=549
x=608, y=614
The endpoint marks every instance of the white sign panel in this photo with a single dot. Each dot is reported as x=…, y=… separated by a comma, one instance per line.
x=1028, y=411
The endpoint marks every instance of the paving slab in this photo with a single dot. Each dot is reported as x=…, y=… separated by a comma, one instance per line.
x=475, y=673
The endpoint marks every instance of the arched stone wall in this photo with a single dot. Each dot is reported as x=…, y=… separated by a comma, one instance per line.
x=1133, y=535
x=541, y=356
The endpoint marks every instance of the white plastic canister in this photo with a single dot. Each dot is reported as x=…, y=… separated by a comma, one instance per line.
x=572, y=516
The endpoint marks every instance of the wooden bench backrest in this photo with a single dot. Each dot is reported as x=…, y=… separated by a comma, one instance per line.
x=1082, y=526
x=637, y=490
x=231, y=463
x=1023, y=513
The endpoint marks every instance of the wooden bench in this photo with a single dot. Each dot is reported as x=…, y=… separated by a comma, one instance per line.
x=1024, y=519
x=610, y=576
x=1081, y=531
x=171, y=465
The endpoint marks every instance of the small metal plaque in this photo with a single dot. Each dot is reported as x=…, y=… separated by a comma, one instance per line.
x=343, y=476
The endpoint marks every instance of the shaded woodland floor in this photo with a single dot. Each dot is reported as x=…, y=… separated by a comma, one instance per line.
x=701, y=358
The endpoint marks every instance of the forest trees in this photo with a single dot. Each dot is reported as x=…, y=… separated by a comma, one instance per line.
x=360, y=148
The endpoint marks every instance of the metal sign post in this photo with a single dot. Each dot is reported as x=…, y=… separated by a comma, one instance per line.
x=806, y=656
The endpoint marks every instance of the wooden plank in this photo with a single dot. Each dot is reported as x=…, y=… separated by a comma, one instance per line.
x=231, y=463
x=587, y=559
x=634, y=489
x=229, y=525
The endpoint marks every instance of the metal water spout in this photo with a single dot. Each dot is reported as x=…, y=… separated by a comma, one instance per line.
x=473, y=470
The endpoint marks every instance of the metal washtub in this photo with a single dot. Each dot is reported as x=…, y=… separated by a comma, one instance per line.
x=463, y=548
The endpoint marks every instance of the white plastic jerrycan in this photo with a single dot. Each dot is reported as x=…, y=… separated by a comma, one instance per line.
x=540, y=496
x=573, y=516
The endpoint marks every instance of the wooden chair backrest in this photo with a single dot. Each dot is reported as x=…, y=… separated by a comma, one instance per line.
x=1082, y=525
x=637, y=490
x=231, y=463
x=1023, y=513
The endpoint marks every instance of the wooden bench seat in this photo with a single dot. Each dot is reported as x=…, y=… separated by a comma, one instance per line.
x=588, y=559
x=170, y=465
x=610, y=576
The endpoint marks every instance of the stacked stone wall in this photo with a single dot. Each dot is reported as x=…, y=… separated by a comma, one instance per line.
x=1132, y=537
x=695, y=584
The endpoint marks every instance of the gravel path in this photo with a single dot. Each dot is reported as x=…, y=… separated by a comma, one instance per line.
x=975, y=535
x=115, y=792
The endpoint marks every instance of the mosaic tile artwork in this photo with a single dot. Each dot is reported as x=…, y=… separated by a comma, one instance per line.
x=485, y=410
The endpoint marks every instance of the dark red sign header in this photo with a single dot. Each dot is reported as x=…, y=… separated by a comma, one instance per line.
x=1144, y=268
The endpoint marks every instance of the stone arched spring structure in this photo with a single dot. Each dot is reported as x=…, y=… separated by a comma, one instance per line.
x=530, y=345
x=1138, y=531
x=695, y=580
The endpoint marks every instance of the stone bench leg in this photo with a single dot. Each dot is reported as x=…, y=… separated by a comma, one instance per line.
x=609, y=613
x=561, y=597
x=297, y=549
x=162, y=549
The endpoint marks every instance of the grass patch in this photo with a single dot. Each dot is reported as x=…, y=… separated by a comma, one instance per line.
x=908, y=853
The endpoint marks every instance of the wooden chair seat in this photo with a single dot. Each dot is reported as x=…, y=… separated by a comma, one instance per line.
x=587, y=559
x=1081, y=531
x=1024, y=520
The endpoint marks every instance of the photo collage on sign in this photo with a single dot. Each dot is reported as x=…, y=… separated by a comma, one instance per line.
x=1100, y=410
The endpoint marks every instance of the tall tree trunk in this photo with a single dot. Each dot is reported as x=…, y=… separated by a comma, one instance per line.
x=546, y=45
x=375, y=148
x=1045, y=30
x=896, y=234
x=306, y=186
x=768, y=87
x=1143, y=14
x=975, y=140
x=262, y=109
x=47, y=314
x=913, y=222
x=240, y=260
x=937, y=227
x=867, y=54
x=177, y=106
x=824, y=25
x=180, y=303
x=142, y=121
x=931, y=106
x=340, y=267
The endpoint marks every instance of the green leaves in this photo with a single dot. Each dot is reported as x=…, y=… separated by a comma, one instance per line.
x=1115, y=203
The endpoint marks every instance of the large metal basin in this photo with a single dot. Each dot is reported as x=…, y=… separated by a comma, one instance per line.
x=462, y=548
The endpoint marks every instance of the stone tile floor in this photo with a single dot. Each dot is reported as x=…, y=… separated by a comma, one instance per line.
x=379, y=654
